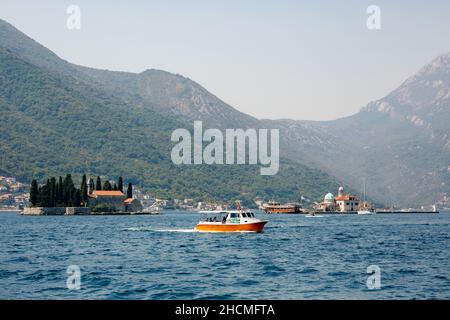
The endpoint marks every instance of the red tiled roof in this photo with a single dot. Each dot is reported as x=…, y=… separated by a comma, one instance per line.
x=108, y=193
x=128, y=200
x=343, y=198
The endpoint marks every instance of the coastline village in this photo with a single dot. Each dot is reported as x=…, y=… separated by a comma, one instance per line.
x=61, y=197
x=14, y=195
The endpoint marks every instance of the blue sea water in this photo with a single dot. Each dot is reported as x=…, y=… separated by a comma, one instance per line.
x=160, y=257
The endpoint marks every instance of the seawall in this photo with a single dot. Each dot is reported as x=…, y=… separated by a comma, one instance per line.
x=56, y=211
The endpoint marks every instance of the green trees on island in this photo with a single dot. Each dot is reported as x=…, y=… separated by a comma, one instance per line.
x=63, y=193
x=53, y=193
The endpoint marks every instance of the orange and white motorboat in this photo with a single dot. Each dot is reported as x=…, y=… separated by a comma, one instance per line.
x=230, y=221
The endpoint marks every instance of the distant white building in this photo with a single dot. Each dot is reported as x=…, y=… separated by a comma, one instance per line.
x=342, y=203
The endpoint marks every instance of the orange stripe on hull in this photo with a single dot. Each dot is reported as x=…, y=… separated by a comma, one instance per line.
x=244, y=227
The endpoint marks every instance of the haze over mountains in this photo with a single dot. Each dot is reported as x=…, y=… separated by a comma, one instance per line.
x=400, y=144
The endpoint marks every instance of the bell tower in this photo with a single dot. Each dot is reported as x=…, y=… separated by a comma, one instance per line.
x=341, y=191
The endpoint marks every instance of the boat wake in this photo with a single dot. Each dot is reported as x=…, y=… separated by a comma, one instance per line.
x=176, y=230
x=138, y=229
x=147, y=229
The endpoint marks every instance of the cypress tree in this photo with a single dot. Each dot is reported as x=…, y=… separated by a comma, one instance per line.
x=69, y=197
x=84, y=190
x=57, y=201
x=53, y=192
x=72, y=196
x=98, y=184
x=46, y=194
x=76, y=200
x=115, y=187
x=130, y=190
x=107, y=186
x=68, y=190
x=64, y=192
x=59, y=195
x=34, y=193
x=40, y=197
x=120, y=184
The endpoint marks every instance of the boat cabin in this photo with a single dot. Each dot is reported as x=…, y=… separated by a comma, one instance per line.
x=226, y=216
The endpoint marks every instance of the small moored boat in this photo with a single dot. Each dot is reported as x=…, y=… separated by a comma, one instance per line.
x=230, y=221
x=365, y=212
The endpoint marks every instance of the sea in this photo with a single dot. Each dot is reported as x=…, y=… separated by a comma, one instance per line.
x=396, y=256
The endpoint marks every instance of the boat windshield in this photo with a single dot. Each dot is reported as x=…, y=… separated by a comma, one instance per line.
x=247, y=215
x=225, y=216
x=216, y=217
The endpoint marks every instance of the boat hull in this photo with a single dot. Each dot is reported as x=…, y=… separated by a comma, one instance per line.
x=231, y=227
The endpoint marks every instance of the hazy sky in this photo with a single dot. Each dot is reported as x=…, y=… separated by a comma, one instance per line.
x=272, y=59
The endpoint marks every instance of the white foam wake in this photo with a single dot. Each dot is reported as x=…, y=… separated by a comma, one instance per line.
x=158, y=230
x=176, y=230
